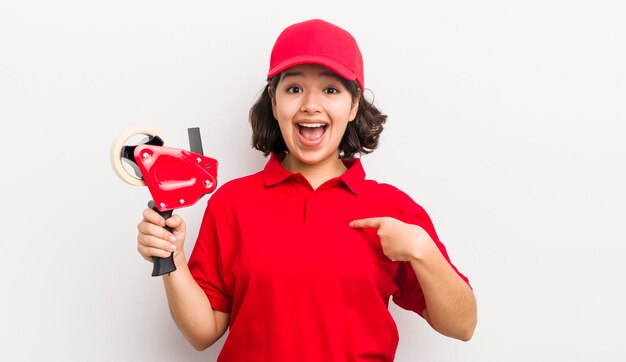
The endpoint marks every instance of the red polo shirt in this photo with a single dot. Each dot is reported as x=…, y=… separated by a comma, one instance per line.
x=298, y=282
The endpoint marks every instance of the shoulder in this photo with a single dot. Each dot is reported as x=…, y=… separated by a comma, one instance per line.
x=237, y=189
x=395, y=200
x=242, y=184
x=386, y=192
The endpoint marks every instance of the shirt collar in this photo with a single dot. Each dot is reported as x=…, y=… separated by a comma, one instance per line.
x=274, y=173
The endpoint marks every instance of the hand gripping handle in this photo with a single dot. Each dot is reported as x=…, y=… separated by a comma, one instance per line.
x=162, y=266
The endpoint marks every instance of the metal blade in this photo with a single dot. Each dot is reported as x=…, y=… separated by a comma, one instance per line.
x=195, y=142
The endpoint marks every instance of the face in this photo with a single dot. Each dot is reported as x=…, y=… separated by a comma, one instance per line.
x=313, y=109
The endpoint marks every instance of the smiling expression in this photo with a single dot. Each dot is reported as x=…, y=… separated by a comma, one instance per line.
x=313, y=109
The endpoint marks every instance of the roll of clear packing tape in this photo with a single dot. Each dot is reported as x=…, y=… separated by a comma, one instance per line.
x=116, y=153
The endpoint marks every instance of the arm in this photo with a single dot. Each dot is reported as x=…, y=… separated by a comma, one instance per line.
x=450, y=304
x=189, y=306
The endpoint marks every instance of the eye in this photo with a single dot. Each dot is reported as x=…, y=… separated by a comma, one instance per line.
x=331, y=90
x=294, y=89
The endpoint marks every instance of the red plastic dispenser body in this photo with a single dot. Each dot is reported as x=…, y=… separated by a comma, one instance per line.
x=176, y=178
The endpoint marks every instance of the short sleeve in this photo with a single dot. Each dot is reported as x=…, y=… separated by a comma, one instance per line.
x=206, y=264
x=409, y=294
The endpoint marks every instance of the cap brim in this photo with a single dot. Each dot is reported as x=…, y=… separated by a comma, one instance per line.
x=331, y=64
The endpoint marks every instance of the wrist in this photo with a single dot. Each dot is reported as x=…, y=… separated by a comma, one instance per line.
x=180, y=262
x=180, y=258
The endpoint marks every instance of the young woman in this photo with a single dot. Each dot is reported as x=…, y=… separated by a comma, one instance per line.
x=300, y=259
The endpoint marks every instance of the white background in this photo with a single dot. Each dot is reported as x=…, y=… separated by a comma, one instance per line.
x=506, y=122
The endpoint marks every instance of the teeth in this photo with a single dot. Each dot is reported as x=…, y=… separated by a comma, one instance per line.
x=311, y=125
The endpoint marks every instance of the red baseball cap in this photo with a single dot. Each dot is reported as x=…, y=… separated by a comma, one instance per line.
x=317, y=42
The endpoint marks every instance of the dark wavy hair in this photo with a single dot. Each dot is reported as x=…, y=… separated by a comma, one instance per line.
x=361, y=136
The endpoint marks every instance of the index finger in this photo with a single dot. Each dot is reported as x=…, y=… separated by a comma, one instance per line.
x=153, y=217
x=371, y=222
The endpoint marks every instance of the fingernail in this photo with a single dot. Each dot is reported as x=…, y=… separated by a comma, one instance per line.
x=172, y=247
x=172, y=239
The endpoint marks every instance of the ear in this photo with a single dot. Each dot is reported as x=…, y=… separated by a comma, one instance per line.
x=354, y=110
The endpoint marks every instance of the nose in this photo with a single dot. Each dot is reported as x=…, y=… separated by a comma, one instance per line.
x=311, y=103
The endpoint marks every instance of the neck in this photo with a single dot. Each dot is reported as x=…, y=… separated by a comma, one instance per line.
x=317, y=173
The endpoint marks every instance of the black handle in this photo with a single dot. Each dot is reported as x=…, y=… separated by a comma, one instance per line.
x=162, y=266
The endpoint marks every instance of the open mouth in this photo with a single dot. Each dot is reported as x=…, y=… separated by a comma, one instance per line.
x=312, y=131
